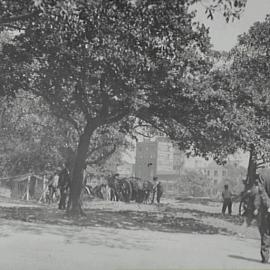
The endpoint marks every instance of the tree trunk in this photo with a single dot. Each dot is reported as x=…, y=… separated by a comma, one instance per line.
x=251, y=173
x=74, y=207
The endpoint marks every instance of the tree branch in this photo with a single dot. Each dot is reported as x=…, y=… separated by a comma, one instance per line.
x=16, y=27
x=80, y=97
x=102, y=158
x=67, y=117
x=98, y=148
x=144, y=135
x=61, y=110
x=8, y=20
x=112, y=118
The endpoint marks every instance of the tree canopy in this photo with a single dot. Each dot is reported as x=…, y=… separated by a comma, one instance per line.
x=12, y=13
x=99, y=63
x=249, y=83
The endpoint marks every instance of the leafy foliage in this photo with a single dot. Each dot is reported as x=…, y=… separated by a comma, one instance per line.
x=127, y=64
x=250, y=77
x=12, y=13
x=195, y=184
x=33, y=140
x=133, y=65
x=100, y=63
x=27, y=141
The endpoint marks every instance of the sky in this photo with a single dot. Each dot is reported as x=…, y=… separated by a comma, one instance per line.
x=224, y=35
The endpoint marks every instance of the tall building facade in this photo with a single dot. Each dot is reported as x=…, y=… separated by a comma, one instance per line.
x=159, y=158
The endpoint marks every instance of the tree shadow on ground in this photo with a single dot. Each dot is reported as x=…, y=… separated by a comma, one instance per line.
x=122, y=219
x=235, y=219
x=243, y=258
x=75, y=234
x=196, y=200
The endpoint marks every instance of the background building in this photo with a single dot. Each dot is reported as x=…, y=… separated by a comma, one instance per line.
x=182, y=176
x=159, y=158
x=126, y=169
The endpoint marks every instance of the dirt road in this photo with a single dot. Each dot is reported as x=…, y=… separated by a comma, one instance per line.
x=44, y=247
x=41, y=246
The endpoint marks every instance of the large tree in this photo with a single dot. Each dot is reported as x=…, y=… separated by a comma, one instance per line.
x=97, y=63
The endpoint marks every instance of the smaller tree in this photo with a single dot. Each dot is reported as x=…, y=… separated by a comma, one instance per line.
x=234, y=178
x=32, y=139
x=251, y=87
x=194, y=183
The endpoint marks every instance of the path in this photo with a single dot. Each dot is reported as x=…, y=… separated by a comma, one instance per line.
x=121, y=236
x=45, y=247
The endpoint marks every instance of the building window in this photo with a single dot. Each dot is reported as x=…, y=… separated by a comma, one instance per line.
x=215, y=173
x=208, y=173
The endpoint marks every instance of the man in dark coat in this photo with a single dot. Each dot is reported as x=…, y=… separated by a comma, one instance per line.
x=157, y=189
x=64, y=185
x=227, y=200
x=262, y=212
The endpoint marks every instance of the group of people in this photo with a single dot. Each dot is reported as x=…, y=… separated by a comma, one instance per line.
x=128, y=189
x=60, y=181
x=259, y=195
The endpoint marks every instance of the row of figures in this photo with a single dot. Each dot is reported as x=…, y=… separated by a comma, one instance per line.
x=128, y=189
x=116, y=189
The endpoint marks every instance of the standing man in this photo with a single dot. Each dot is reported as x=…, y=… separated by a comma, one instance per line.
x=64, y=185
x=262, y=212
x=53, y=184
x=157, y=189
x=227, y=200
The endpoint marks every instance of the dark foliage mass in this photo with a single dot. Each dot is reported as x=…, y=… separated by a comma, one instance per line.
x=136, y=64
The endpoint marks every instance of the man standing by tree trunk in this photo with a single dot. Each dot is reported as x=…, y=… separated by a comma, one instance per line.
x=64, y=185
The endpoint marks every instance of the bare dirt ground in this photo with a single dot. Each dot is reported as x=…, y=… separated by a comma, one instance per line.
x=116, y=235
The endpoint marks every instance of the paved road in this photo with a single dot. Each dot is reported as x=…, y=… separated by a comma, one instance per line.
x=45, y=247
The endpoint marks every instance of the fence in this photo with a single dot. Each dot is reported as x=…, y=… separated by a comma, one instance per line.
x=25, y=187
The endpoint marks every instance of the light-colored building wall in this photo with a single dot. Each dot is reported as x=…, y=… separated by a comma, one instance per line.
x=159, y=158
x=126, y=169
